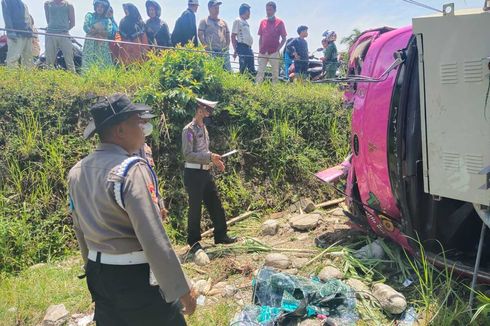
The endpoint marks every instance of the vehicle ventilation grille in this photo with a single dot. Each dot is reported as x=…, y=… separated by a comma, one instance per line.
x=451, y=161
x=474, y=163
x=473, y=72
x=449, y=73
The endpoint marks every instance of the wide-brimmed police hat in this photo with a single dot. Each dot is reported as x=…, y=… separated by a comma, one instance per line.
x=112, y=110
x=209, y=105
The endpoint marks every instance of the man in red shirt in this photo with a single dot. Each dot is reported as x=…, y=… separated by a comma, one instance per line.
x=270, y=31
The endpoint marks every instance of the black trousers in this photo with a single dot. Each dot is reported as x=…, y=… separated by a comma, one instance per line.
x=246, y=58
x=200, y=187
x=301, y=67
x=123, y=296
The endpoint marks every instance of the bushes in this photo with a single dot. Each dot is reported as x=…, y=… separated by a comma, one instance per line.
x=284, y=133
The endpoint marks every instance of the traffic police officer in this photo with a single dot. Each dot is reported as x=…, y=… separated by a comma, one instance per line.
x=133, y=273
x=199, y=182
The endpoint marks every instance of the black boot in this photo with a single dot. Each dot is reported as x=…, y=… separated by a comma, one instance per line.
x=225, y=240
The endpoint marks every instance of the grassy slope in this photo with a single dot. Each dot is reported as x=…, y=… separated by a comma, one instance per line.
x=285, y=132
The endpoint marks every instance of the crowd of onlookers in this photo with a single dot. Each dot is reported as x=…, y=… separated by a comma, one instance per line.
x=132, y=38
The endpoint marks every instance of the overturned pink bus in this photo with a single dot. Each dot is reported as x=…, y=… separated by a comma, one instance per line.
x=413, y=174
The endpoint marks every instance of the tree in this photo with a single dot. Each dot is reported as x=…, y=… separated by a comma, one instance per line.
x=349, y=40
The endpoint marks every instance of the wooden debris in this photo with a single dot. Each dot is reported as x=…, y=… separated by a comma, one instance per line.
x=330, y=203
x=230, y=222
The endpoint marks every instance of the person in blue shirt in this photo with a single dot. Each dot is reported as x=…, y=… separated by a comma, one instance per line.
x=298, y=49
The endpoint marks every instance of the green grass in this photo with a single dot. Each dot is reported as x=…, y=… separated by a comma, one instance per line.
x=219, y=315
x=25, y=298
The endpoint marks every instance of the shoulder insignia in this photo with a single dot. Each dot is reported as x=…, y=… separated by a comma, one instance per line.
x=123, y=171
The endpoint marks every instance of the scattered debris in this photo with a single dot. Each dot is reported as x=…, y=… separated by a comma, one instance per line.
x=329, y=273
x=407, y=282
x=371, y=251
x=408, y=318
x=201, y=300
x=284, y=297
x=270, y=227
x=390, y=300
x=305, y=222
x=277, y=260
x=55, y=315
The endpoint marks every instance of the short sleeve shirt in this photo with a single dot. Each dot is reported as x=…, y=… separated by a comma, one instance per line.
x=271, y=31
x=242, y=30
x=216, y=34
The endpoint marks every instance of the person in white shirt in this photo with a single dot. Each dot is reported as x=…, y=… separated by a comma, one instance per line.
x=242, y=41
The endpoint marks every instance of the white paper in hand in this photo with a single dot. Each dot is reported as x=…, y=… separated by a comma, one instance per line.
x=229, y=153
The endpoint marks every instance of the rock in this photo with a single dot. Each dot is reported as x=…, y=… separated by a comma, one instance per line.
x=277, y=216
x=270, y=227
x=371, y=251
x=299, y=262
x=294, y=208
x=279, y=261
x=311, y=322
x=223, y=289
x=303, y=237
x=218, y=289
x=291, y=271
x=55, y=315
x=229, y=291
x=286, y=228
x=361, y=289
x=390, y=300
x=202, y=286
x=330, y=272
x=338, y=212
x=305, y=222
x=37, y=266
x=12, y=310
x=201, y=258
x=85, y=320
x=307, y=205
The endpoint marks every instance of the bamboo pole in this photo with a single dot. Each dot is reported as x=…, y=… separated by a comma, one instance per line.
x=330, y=203
x=230, y=222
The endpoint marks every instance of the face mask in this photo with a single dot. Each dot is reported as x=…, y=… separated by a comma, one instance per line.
x=208, y=121
x=147, y=128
